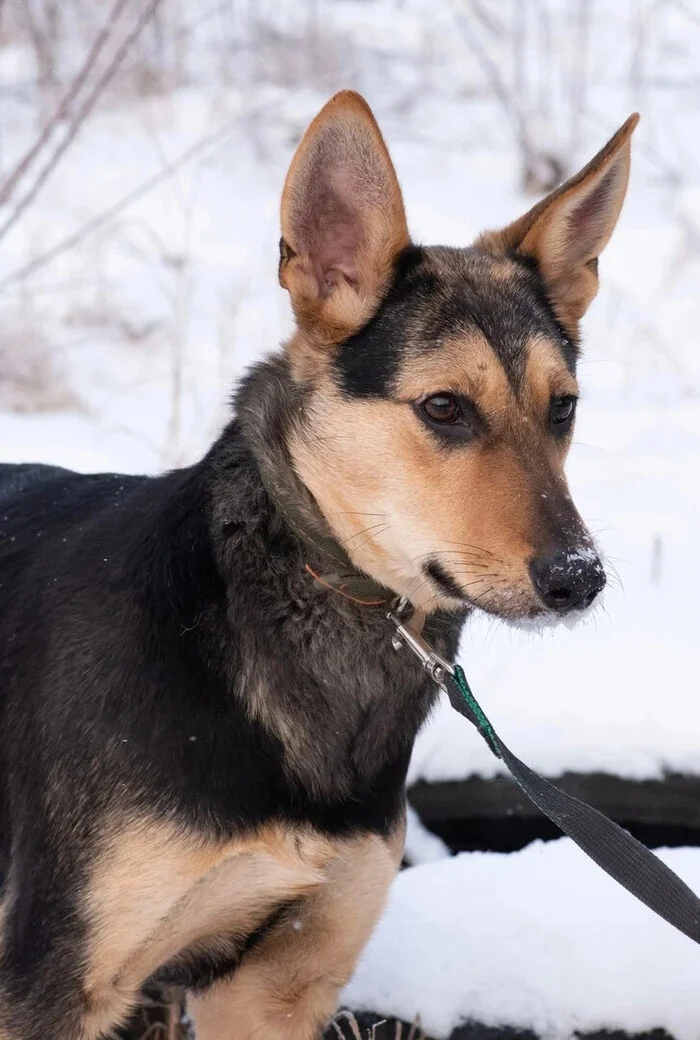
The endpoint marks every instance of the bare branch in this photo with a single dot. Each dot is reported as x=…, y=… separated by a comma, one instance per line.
x=80, y=116
x=199, y=146
x=63, y=107
x=494, y=77
x=579, y=79
x=687, y=10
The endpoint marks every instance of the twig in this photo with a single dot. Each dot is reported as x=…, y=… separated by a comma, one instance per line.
x=579, y=79
x=62, y=109
x=118, y=207
x=546, y=91
x=684, y=8
x=493, y=74
x=40, y=42
x=519, y=35
x=80, y=116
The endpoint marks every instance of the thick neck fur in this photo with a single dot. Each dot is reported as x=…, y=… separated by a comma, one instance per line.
x=195, y=666
x=317, y=671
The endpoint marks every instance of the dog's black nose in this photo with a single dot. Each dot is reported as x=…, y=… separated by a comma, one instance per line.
x=568, y=579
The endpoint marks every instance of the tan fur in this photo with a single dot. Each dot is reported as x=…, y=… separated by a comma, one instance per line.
x=479, y=509
x=546, y=376
x=276, y=720
x=342, y=154
x=156, y=891
x=288, y=987
x=261, y=707
x=567, y=257
x=394, y=499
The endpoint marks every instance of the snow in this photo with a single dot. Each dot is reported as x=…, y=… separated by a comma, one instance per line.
x=148, y=322
x=540, y=939
x=421, y=845
x=151, y=320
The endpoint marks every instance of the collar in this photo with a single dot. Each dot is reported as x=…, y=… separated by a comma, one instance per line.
x=326, y=562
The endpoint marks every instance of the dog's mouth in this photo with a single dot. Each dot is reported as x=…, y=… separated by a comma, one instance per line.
x=537, y=618
x=563, y=587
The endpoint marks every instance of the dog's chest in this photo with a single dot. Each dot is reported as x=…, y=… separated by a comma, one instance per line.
x=343, y=702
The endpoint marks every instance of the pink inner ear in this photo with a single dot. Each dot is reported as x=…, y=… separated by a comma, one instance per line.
x=334, y=227
x=338, y=239
x=588, y=220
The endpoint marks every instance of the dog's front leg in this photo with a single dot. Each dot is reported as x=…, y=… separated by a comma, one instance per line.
x=287, y=986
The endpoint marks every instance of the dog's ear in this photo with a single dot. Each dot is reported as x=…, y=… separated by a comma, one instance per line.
x=566, y=232
x=343, y=221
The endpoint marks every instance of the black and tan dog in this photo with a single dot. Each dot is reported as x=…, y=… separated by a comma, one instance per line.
x=205, y=731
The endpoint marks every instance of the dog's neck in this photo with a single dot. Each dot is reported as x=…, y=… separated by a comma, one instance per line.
x=314, y=667
x=267, y=403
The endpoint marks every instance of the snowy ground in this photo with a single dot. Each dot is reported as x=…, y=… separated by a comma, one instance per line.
x=539, y=939
x=119, y=355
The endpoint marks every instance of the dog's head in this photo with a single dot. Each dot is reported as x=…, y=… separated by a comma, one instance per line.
x=441, y=383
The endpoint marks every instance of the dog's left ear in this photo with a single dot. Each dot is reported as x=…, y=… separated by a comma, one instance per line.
x=343, y=221
x=566, y=232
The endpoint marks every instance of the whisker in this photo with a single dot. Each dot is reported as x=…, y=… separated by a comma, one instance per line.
x=461, y=552
x=453, y=564
x=352, y=512
x=484, y=592
x=468, y=568
x=613, y=574
x=456, y=552
x=373, y=531
x=466, y=545
x=373, y=527
x=461, y=561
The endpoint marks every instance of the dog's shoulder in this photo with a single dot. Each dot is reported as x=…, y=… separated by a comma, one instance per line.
x=32, y=494
x=44, y=511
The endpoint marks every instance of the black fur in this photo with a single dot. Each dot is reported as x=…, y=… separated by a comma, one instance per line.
x=439, y=293
x=133, y=613
x=435, y=571
x=140, y=619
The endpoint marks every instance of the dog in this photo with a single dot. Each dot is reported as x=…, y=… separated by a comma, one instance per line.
x=205, y=729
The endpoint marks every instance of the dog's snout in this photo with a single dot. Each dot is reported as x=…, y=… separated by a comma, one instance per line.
x=568, y=579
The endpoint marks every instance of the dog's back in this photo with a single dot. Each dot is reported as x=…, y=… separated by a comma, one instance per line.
x=204, y=731
x=37, y=504
x=53, y=524
x=85, y=563
x=45, y=518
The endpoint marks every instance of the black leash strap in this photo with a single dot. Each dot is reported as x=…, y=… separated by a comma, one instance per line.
x=615, y=850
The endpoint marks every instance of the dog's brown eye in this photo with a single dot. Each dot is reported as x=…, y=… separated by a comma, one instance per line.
x=561, y=411
x=442, y=408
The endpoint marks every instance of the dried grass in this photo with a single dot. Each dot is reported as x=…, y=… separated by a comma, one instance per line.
x=159, y=1020
x=32, y=378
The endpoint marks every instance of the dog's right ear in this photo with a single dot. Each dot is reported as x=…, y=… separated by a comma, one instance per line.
x=343, y=222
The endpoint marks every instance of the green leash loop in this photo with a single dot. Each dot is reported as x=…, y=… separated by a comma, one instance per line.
x=485, y=728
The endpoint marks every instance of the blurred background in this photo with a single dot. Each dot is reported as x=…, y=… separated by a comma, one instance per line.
x=143, y=147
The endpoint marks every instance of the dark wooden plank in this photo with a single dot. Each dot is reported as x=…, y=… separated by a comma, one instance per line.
x=374, y=1027
x=673, y=801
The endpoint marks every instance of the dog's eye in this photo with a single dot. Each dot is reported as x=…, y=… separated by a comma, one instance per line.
x=561, y=412
x=442, y=408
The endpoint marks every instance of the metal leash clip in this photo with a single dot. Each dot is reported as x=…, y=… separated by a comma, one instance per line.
x=402, y=617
